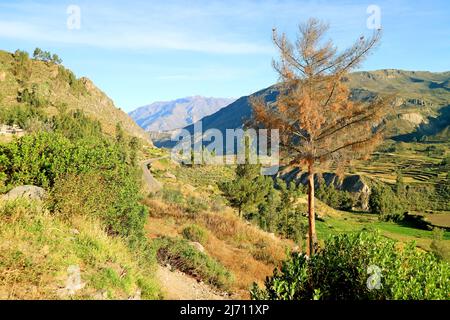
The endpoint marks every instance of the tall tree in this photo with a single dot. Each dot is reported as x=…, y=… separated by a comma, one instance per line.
x=318, y=121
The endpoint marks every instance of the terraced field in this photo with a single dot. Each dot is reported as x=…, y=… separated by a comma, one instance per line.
x=416, y=164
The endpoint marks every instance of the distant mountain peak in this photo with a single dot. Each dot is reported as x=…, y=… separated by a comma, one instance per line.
x=169, y=115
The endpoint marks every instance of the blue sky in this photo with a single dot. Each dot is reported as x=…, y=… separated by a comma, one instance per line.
x=144, y=51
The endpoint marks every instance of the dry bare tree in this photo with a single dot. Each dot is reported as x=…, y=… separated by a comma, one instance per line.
x=320, y=124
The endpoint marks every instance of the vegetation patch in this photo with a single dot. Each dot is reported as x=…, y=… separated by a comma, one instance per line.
x=37, y=248
x=180, y=254
x=195, y=233
x=359, y=267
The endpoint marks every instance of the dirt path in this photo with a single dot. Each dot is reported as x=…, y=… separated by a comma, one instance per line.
x=178, y=286
x=175, y=284
x=152, y=184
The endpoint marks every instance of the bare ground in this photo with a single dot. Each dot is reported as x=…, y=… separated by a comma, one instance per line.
x=179, y=286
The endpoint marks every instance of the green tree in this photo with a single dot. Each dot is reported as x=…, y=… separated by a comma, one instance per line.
x=290, y=223
x=383, y=201
x=56, y=59
x=245, y=192
x=37, y=54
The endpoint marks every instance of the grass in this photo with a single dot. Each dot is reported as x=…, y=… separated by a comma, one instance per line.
x=195, y=233
x=244, y=250
x=36, y=250
x=345, y=222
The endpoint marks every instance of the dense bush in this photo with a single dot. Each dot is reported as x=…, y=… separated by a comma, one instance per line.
x=386, y=203
x=347, y=266
x=87, y=174
x=21, y=115
x=173, y=196
x=337, y=199
x=112, y=199
x=67, y=76
x=22, y=66
x=195, y=233
x=273, y=205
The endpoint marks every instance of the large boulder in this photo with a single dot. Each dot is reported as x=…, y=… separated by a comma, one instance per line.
x=27, y=192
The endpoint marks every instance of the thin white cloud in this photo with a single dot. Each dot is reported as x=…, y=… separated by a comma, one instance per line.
x=138, y=27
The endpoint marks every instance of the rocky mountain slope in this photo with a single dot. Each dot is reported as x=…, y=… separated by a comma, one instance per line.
x=55, y=87
x=169, y=115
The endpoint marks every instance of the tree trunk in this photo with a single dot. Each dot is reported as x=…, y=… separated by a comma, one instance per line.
x=312, y=238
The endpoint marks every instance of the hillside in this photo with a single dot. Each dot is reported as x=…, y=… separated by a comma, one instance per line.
x=420, y=96
x=54, y=88
x=169, y=115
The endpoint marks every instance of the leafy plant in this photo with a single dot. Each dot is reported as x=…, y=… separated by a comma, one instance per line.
x=343, y=269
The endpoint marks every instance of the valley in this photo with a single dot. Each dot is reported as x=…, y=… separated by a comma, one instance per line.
x=96, y=204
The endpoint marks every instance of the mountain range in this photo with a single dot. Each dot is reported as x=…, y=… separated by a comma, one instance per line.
x=422, y=101
x=170, y=115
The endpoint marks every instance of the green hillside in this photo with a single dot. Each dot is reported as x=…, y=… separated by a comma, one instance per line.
x=29, y=86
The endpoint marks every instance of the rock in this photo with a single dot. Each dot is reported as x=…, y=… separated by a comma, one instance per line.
x=74, y=231
x=27, y=192
x=197, y=246
x=101, y=295
x=414, y=118
x=136, y=295
x=189, y=188
x=2, y=76
x=89, y=85
x=73, y=282
x=170, y=176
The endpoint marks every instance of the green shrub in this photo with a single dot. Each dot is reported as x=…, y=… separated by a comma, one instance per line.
x=32, y=97
x=112, y=200
x=67, y=76
x=383, y=201
x=438, y=246
x=344, y=268
x=87, y=175
x=195, y=233
x=184, y=257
